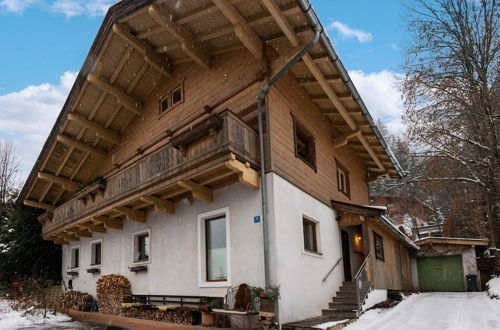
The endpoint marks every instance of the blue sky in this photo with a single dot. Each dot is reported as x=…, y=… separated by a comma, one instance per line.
x=44, y=44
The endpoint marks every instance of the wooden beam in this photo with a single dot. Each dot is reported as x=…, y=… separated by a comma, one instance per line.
x=242, y=29
x=246, y=174
x=93, y=228
x=188, y=44
x=198, y=191
x=65, y=183
x=123, y=99
x=147, y=52
x=68, y=236
x=80, y=145
x=344, y=139
x=311, y=80
x=79, y=232
x=58, y=240
x=160, y=205
x=370, y=151
x=39, y=205
x=283, y=60
x=108, y=222
x=101, y=132
x=287, y=29
x=132, y=215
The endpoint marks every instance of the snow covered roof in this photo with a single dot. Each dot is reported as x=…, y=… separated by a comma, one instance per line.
x=453, y=240
x=384, y=220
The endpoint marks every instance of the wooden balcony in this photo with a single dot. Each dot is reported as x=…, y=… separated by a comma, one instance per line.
x=214, y=153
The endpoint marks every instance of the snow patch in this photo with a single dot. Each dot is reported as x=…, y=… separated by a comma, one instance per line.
x=14, y=319
x=494, y=288
x=374, y=297
x=327, y=325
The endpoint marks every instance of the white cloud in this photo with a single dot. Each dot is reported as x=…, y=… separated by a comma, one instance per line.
x=380, y=92
x=72, y=8
x=395, y=47
x=347, y=32
x=17, y=6
x=27, y=116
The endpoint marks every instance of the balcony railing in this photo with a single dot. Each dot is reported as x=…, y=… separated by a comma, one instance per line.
x=213, y=140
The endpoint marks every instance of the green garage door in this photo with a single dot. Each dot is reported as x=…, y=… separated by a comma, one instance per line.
x=444, y=274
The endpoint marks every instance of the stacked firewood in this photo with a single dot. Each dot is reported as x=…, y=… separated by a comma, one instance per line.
x=76, y=300
x=112, y=291
x=179, y=315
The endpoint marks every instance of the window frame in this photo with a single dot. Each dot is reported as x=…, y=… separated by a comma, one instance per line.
x=316, y=239
x=92, y=243
x=380, y=255
x=135, y=247
x=71, y=261
x=203, y=281
x=169, y=96
x=341, y=169
x=299, y=129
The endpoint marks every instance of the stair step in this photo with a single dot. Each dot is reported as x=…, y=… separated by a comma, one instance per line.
x=345, y=300
x=347, y=289
x=343, y=306
x=349, y=284
x=348, y=315
x=346, y=294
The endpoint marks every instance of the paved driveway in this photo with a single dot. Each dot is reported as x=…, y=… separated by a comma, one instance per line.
x=435, y=311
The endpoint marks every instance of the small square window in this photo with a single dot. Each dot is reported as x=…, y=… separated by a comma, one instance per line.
x=305, y=148
x=74, y=257
x=177, y=95
x=343, y=180
x=141, y=247
x=164, y=104
x=96, y=253
x=379, y=246
x=310, y=240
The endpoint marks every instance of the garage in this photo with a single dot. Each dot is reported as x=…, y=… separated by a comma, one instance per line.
x=446, y=264
x=442, y=274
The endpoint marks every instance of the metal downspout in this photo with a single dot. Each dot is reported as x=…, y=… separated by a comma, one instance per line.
x=260, y=96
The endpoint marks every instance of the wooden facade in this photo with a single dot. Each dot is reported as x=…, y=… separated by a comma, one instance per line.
x=217, y=54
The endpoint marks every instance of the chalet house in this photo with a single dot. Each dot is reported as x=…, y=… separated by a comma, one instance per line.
x=211, y=143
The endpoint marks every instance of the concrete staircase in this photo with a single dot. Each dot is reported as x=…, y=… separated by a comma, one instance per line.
x=343, y=306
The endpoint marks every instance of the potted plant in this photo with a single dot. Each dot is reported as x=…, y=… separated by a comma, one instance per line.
x=268, y=297
x=206, y=306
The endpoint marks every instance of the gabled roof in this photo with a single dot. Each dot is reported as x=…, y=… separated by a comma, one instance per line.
x=139, y=44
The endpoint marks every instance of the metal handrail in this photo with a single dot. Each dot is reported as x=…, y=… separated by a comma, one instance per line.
x=331, y=270
x=363, y=265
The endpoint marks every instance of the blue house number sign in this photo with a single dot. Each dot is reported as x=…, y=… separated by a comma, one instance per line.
x=256, y=219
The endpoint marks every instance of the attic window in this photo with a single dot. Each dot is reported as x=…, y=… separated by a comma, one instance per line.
x=174, y=97
x=343, y=180
x=305, y=148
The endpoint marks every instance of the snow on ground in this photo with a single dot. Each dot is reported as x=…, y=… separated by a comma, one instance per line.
x=327, y=325
x=12, y=319
x=494, y=287
x=435, y=311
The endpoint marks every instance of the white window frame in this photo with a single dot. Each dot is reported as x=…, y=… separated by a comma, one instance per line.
x=317, y=226
x=202, y=253
x=134, y=235
x=92, y=243
x=71, y=257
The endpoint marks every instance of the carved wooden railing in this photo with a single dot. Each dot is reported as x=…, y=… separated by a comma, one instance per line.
x=363, y=280
x=227, y=135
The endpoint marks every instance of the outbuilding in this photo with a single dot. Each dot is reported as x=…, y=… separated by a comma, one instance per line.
x=448, y=264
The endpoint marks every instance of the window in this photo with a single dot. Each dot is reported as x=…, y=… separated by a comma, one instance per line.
x=96, y=253
x=214, y=257
x=141, y=247
x=75, y=257
x=172, y=98
x=343, y=180
x=304, y=144
x=310, y=240
x=379, y=246
x=216, y=249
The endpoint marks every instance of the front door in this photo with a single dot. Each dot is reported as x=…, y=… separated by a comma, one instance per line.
x=346, y=255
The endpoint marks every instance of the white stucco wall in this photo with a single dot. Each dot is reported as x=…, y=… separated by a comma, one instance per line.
x=173, y=267
x=300, y=273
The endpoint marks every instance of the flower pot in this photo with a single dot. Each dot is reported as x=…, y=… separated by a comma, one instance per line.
x=266, y=305
x=207, y=319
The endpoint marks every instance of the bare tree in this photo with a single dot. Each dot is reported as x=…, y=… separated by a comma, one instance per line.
x=451, y=92
x=9, y=169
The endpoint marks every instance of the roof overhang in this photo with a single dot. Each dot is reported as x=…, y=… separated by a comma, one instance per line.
x=141, y=41
x=453, y=241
